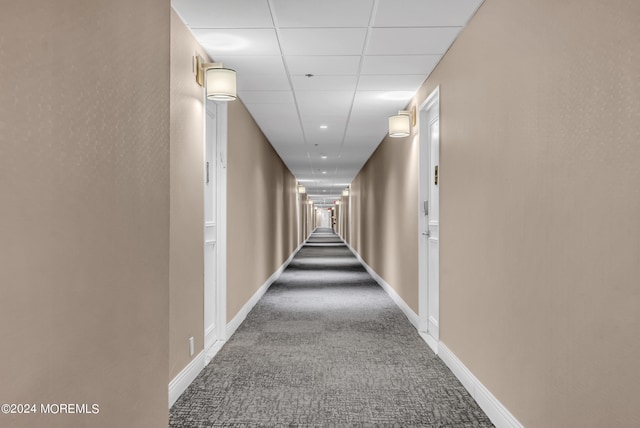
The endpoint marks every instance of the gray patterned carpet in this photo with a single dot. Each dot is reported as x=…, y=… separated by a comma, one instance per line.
x=326, y=346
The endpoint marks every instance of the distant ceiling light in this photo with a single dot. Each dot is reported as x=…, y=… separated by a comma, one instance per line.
x=324, y=172
x=323, y=126
x=397, y=95
x=337, y=202
x=220, y=82
x=302, y=189
x=323, y=156
x=400, y=124
x=345, y=192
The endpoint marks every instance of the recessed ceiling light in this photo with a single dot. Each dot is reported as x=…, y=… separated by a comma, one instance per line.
x=324, y=172
x=323, y=126
x=323, y=156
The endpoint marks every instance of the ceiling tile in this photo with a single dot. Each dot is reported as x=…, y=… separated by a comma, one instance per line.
x=411, y=41
x=319, y=65
x=224, y=13
x=269, y=116
x=325, y=13
x=266, y=97
x=254, y=64
x=399, y=64
x=325, y=140
x=367, y=103
x=322, y=41
x=333, y=121
x=324, y=83
x=324, y=102
x=358, y=137
x=424, y=13
x=405, y=82
x=238, y=42
x=268, y=82
x=327, y=39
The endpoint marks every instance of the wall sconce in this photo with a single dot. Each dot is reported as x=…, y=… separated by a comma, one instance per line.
x=301, y=189
x=219, y=82
x=345, y=192
x=400, y=124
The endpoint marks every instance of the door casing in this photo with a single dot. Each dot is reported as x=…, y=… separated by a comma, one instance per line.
x=429, y=228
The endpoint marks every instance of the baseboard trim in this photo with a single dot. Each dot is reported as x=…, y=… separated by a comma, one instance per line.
x=233, y=325
x=181, y=382
x=209, y=336
x=431, y=341
x=495, y=410
x=412, y=316
x=211, y=352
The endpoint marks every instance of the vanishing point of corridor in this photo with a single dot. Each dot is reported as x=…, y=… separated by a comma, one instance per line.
x=326, y=346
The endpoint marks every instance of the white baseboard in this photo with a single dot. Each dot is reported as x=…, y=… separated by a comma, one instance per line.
x=233, y=325
x=209, y=336
x=180, y=383
x=431, y=341
x=412, y=316
x=495, y=410
x=212, y=351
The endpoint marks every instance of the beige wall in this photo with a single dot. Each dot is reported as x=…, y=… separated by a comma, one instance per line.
x=343, y=218
x=84, y=179
x=539, y=208
x=307, y=216
x=261, y=209
x=187, y=200
x=385, y=215
x=262, y=229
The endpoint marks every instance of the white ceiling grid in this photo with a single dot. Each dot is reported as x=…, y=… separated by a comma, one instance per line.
x=366, y=57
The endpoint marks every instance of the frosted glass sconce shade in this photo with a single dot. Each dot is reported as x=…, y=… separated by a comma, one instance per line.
x=221, y=84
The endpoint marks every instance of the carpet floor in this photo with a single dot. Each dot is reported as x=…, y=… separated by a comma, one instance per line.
x=326, y=346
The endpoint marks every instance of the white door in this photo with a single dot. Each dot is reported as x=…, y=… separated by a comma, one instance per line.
x=210, y=225
x=430, y=219
x=324, y=218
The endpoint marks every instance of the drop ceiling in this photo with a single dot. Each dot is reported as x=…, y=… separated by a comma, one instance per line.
x=321, y=77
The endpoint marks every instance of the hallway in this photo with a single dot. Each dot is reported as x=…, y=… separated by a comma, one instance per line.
x=326, y=346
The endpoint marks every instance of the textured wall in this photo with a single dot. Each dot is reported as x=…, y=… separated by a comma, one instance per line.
x=187, y=200
x=385, y=215
x=261, y=209
x=540, y=200
x=84, y=185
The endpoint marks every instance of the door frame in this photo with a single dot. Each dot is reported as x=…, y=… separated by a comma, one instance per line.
x=431, y=104
x=221, y=227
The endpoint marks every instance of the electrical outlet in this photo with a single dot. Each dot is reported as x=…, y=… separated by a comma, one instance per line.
x=192, y=347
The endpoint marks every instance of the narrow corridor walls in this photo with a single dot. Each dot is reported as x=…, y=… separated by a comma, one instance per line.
x=539, y=197
x=262, y=214
x=84, y=230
